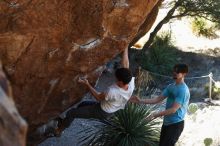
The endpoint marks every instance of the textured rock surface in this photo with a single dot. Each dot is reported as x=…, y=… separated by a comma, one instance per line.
x=13, y=128
x=47, y=44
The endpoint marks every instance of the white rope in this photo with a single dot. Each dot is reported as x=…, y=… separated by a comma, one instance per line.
x=213, y=80
x=205, y=76
x=159, y=74
x=210, y=76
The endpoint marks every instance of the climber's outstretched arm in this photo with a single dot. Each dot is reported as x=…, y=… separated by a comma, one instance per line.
x=125, y=60
x=98, y=95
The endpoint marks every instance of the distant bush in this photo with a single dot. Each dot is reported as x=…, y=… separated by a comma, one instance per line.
x=216, y=26
x=202, y=27
x=161, y=56
x=208, y=141
x=215, y=90
x=193, y=108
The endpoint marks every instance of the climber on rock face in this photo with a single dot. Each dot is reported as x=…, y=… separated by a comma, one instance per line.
x=114, y=99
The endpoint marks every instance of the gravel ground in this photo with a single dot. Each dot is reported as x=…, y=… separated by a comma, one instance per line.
x=70, y=136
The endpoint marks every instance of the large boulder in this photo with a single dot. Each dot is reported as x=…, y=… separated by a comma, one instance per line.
x=47, y=44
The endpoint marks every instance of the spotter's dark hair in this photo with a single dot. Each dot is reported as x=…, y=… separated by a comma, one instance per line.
x=181, y=68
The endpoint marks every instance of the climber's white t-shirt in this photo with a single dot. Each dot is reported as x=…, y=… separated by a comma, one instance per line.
x=116, y=97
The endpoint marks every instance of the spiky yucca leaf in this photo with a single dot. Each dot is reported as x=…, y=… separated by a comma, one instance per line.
x=128, y=127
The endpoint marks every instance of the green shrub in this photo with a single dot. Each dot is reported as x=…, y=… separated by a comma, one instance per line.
x=202, y=27
x=193, y=108
x=161, y=56
x=215, y=90
x=128, y=127
x=208, y=141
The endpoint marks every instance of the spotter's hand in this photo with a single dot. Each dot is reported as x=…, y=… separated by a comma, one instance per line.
x=151, y=116
x=135, y=99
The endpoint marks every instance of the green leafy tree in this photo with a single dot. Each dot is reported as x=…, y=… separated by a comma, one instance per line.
x=207, y=9
x=202, y=27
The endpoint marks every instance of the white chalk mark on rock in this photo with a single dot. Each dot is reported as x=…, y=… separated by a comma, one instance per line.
x=90, y=44
x=52, y=85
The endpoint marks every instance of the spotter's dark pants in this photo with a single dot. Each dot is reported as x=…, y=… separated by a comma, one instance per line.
x=170, y=134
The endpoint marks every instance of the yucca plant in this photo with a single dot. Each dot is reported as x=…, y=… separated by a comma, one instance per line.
x=128, y=127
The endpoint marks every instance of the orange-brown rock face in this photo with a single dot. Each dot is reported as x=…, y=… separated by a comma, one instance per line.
x=45, y=45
